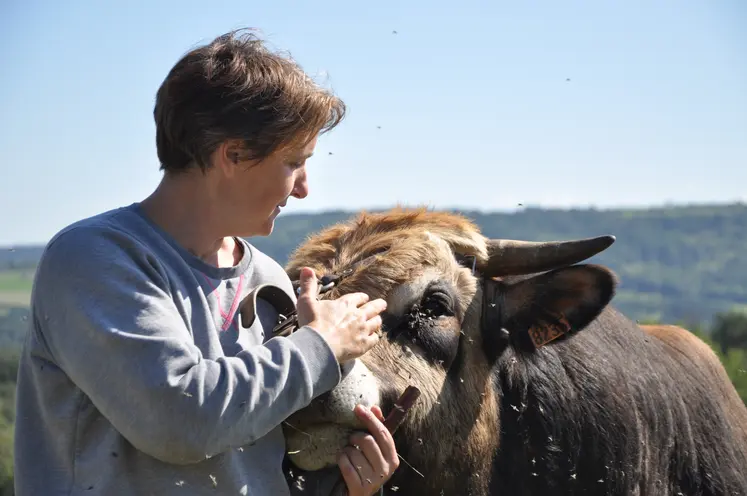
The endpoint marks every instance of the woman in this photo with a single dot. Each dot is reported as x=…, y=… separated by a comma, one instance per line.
x=138, y=375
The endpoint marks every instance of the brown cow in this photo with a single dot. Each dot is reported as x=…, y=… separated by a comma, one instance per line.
x=603, y=407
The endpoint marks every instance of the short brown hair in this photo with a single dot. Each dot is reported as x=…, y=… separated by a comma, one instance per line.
x=236, y=88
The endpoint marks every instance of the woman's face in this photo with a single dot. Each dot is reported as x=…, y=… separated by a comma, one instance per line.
x=257, y=191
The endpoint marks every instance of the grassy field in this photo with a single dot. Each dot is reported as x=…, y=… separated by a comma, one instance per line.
x=15, y=287
x=14, y=299
x=16, y=280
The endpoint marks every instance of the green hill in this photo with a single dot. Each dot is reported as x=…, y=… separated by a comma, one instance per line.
x=675, y=263
x=680, y=263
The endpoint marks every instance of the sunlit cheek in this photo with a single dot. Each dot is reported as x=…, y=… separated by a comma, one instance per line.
x=399, y=365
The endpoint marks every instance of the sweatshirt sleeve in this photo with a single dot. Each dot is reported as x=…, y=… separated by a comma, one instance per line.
x=109, y=320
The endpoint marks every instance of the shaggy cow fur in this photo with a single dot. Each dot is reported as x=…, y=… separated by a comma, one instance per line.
x=609, y=408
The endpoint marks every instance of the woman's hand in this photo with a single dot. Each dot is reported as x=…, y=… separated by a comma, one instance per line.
x=370, y=459
x=349, y=324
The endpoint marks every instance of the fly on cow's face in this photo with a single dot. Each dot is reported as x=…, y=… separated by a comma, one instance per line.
x=437, y=303
x=431, y=324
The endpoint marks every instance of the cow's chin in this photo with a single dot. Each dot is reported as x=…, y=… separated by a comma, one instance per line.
x=318, y=446
x=315, y=435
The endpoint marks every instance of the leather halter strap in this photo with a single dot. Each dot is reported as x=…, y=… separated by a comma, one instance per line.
x=288, y=321
x=491, y=317
x=273, y=295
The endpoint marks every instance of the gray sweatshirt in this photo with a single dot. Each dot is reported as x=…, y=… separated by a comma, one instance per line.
x=139, y=378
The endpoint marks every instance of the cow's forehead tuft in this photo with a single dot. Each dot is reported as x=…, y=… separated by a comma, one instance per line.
x=407, y=233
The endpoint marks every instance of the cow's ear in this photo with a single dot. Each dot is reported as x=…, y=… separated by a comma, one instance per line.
x=548, y=307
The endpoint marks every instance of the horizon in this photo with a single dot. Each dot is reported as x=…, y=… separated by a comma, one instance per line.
x=507, y=211
x=473, y=106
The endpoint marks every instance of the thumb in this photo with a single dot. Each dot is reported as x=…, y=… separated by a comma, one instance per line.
x=308, y=283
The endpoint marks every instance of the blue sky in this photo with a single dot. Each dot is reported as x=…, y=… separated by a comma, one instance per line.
x=472, y=99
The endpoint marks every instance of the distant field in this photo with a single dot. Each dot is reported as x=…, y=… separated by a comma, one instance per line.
x=15, y=298
x=15, y=287
x=16, y=280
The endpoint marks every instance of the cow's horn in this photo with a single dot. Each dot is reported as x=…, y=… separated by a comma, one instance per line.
x=510, y=257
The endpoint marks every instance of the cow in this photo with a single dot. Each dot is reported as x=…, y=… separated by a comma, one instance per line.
x=531, y=382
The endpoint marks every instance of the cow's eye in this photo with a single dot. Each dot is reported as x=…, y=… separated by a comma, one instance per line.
x=437, y=303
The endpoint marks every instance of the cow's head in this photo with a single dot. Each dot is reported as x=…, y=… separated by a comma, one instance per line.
x=433, y=335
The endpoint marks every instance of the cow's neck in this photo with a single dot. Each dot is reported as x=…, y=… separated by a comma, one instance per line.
x=458, y=460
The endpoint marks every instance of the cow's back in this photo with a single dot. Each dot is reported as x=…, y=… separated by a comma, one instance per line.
x=620, y=410
x=700, y=364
